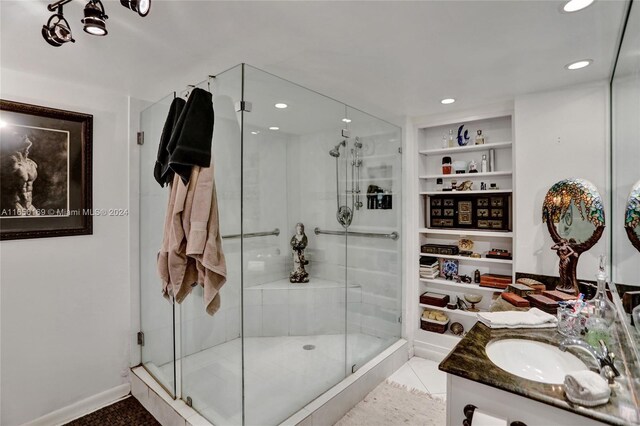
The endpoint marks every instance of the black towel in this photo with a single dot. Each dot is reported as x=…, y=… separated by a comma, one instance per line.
x=190, y=143
x=161, y=171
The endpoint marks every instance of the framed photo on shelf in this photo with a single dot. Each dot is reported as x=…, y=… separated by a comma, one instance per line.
x=45, y=172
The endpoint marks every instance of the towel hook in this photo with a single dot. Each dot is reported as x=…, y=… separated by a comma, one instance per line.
x=189, y=87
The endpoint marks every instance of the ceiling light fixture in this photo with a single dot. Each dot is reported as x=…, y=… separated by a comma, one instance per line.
x=254, y=133
x=447, y=101
x=94, y=18
x=141, y=6
x=57, y=32
x=576, y=5
x=346, y=120
x=281, y=106
x=579, y=64
x=274, y=128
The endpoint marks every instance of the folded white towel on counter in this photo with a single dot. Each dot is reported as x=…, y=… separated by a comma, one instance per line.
x=586, y=388
x=533, y=318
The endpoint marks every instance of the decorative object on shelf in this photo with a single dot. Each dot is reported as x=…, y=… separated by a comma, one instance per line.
x=476, y=276
x=483, y=164
x=452, y=305
x=492, y=160
x=445, y=141
x=467, y=185
x=446, y=165
x=298, y=244
x=495, y=281
x=451, y=140
x=473, y=299
x=499, y=253
x=463, y=138
x=483, y=186
x=632, y=216
x=454, y=185
x=447, y=249
x=475, y=255
x=448, y=267
x=465, y=244
x=600, y=310
x=45, y=172
x=429, y=267
x=583, y=233
x=459, y=167
x=434, y=321
x=536, y=285
x=434, y=299
x=558, y=296
x=439, y=184
x=465, y=279
x=493, y=187
x=473, y=166
x=479, y=137
x=484, y=212
x=457, y=329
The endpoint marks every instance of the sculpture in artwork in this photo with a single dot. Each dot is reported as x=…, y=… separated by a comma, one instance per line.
x=298, y=244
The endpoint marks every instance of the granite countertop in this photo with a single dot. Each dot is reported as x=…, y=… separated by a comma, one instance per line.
x=469, y=360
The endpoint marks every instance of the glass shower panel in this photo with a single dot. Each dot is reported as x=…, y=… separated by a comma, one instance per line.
x=211, y=354
x=294, y=333
x=374, y=272
x=156, y=313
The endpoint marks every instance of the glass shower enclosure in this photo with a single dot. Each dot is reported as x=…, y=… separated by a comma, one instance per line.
x=283, y=155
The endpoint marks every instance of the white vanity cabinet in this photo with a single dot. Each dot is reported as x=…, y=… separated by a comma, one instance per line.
x=505, y=405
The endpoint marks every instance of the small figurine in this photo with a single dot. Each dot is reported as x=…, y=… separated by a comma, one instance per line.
x=476, y=276
x=479, y=138
x=483, y=186
x=465, y=186
x=473, y=166
x=298, y=244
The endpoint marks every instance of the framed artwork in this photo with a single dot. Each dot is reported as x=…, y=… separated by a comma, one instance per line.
x=45, y=172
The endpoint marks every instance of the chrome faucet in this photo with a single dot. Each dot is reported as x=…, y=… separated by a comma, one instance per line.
x=603, y=357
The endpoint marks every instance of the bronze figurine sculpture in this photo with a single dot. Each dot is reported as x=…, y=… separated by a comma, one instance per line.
x=298, y=244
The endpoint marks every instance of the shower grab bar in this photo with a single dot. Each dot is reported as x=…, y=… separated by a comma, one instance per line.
x=252, y=234
x=394, y=235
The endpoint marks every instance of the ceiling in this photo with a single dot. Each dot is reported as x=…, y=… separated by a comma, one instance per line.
x=390, y=58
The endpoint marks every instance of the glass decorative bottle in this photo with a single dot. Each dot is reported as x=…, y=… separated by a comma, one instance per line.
x=600, y=310
x=452, y=141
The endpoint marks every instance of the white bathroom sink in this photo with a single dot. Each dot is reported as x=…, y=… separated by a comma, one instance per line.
x=533, y=360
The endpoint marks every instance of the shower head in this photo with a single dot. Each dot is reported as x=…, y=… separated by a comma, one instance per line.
x=335, y=152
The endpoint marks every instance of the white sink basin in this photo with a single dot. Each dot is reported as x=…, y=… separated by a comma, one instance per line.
x=533, y=360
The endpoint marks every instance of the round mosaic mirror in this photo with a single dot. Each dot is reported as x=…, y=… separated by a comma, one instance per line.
x=632, y=216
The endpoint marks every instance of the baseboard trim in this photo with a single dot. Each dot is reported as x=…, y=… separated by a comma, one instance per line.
x=83, y=407
x=429, y=351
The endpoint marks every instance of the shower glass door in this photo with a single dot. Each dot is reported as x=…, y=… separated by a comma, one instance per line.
x=374, y=272
x=294, y=333
x=157, y=315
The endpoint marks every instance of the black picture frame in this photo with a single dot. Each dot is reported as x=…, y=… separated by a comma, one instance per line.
x=45, y=172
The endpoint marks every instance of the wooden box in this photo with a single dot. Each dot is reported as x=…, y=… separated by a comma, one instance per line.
x=515, y=300
x=434, y=299
x=543, y=303
x=537, y=286
x=440, y=249
x=558, y=296
x=521, y=289
x=495, y=281
x=461, y=210
x=434, y=326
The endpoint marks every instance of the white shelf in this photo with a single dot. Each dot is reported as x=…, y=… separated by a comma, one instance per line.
x=474, y=175
x=451, y=311
x=467, y=148
x=469, y=232
x=471, y=259
x=486, y=191
x=445, y=340
x=455, y=285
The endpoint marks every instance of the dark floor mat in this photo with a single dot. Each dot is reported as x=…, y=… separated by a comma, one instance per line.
x=128, y=412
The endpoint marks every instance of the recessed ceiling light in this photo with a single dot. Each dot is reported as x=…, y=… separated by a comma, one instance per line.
x=254, y=133
x=576, y=5
x=447, y=101
x=579, y=64
x=281, y=106
x=346, y=120
x=274, y=128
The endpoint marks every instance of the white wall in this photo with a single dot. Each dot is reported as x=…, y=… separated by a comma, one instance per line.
x=558, y=135
x=65, y=309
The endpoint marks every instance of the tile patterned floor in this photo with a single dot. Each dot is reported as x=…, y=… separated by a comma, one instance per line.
x=127, y=412
x=422, y=374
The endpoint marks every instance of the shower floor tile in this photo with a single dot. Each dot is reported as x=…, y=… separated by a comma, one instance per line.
x=280, y=375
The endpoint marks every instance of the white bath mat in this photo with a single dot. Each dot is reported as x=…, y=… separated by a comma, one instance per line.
x=393, y=404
